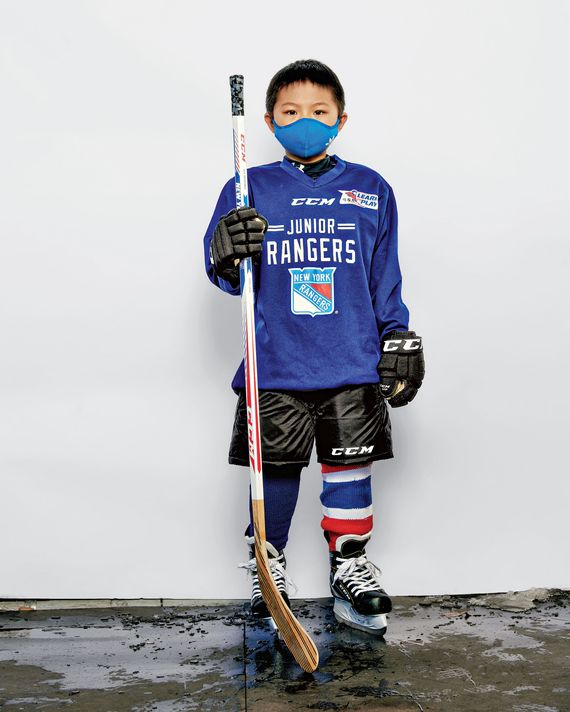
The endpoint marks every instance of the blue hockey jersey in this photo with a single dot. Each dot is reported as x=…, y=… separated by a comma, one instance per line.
x=328, y=283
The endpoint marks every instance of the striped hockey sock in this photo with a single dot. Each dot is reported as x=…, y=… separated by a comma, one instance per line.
x=346, y=500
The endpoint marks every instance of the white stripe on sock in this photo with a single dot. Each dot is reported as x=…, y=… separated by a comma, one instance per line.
x=359, y=473
x=336, y=513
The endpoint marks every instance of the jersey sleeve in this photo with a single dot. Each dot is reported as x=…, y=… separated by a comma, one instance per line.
x=226, y=202
x=385, y=276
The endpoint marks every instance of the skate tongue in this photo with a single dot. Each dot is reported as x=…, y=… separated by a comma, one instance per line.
x=350, y=546
x=272, y=552
x=351, y=549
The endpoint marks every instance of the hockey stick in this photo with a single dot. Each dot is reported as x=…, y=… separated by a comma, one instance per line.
x=296, y=638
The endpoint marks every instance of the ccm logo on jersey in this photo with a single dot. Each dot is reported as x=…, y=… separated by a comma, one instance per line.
x=409, y=344
x=362, y=450
x=313, y=201
x=356, y=197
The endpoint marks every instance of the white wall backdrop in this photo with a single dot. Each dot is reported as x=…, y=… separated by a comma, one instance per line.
x=117, y=352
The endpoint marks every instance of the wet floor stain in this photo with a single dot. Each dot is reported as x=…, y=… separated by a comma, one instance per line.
x=444, y=653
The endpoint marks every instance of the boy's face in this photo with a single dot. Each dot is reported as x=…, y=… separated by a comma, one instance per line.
x=305, y=100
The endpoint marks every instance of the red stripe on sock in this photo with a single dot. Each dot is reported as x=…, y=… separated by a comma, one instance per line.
x=339, y=468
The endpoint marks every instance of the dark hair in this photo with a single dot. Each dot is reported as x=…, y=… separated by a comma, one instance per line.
x=304, y=70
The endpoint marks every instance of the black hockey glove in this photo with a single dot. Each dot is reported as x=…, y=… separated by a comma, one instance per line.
x=237, y=235
x=402, y=360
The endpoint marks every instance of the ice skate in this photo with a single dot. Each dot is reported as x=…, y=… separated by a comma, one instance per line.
x=277, y=565
x=359, y=601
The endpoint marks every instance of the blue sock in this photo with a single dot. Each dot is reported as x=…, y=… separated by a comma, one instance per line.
x=280, y=492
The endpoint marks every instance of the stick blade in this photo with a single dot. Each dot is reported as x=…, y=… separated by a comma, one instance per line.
x=294, y=635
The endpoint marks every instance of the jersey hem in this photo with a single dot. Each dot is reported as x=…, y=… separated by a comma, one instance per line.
x=288, y=389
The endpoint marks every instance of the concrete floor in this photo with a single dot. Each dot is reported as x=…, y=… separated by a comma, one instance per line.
x=454, y=653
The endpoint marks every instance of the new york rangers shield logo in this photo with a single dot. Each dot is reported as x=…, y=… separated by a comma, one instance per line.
x=312, y=290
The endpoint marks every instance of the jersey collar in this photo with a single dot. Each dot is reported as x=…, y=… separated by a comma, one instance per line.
x=327, y=177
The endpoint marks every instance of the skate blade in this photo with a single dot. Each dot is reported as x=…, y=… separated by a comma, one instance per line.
x=345, y=613
x=268, y=621
x=274, y=627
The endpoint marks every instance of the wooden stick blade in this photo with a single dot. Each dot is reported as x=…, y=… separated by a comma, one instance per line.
x=294, y=635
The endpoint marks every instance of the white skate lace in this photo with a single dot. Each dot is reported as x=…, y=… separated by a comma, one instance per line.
x=359, y=574
x=278, y=573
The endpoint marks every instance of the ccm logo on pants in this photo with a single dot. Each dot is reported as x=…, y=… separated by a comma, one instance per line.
x=361, y=450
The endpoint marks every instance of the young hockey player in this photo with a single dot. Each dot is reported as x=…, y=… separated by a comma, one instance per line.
x=333, y=341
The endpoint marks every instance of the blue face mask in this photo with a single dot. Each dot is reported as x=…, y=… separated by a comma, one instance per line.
x=306, y=137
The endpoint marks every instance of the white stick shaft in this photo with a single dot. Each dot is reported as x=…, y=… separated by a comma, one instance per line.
x=248, y=321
